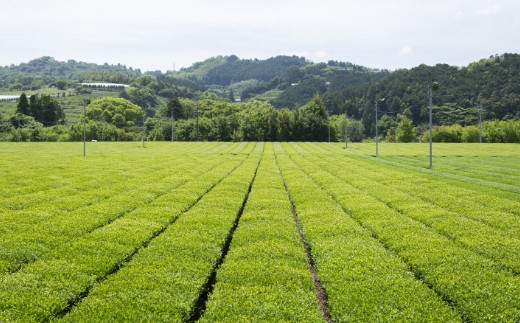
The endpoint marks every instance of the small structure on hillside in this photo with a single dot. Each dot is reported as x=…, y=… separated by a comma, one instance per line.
x=9, y=98
x=105, y=86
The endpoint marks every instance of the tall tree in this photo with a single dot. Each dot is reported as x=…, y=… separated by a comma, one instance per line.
x=50, y=112
x=311, y=121
x=116, y=111
x=405, y=130
x=33, y=105
x=231, y=96
x=258, y=121
x=23, y=105
x=174, y=106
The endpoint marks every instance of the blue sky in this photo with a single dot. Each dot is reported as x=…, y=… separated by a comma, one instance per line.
x=162, y=35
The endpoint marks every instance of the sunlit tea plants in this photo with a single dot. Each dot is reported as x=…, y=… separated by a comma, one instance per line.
x=253, y=231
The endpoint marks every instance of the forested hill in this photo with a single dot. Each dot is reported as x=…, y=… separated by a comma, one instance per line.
x=45, y=70
x=494, y=82
x=283, y=81
x=225, y=70
x=291, y=81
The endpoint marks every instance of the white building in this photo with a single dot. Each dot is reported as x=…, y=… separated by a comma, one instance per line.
x=9, y=98
x=105, y=85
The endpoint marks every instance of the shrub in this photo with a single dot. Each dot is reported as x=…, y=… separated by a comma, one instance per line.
x=470, y=134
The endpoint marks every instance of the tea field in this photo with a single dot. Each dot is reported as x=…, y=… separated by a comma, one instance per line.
x=259, y=232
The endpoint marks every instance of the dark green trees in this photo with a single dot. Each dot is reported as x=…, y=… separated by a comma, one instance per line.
x=23, y=105
x=44, y=109
x=311, y=121
x=174, y=107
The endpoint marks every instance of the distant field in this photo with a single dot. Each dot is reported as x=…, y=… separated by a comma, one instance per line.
x=300, y=232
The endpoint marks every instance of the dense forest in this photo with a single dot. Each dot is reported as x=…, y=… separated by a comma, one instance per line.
x=492, y=83
x=289, y=97
x=46, y=70
x=224, y=71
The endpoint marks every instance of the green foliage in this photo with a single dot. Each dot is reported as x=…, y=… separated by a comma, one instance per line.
x=405, y=130
x=114, y=111
x=16, y=87
x=493, y=83
x=175, y=109
x=497, y=131
x=340, y=125
x=310, y=121
x=62, y=84
x=144, y=97
x=23, y=105
x=292, y=82
x=300, y=93
x=264, y=276
x=470, y=134
x=98, y=239
x=501, y=131
x=47, y=70
x=434, y=215
x=43, y=109
x=258, y=121
x=447, y=133
x=357, y=271
x=231, y=96
x=103, y=75
x=226, y=70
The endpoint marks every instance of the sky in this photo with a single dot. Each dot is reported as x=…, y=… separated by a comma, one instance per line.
x=168, y=35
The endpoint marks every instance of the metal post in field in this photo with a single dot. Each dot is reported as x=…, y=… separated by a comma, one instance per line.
x=377, y=133
x=328, y=119
x=84, y=128
x=144, y=133
x=18, y=127
x=432, y=87
x=480, y=121
x=346, y=129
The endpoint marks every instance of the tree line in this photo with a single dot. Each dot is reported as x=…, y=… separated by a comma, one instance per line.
x=282, y=108
x=46, y=70
x=209, y=117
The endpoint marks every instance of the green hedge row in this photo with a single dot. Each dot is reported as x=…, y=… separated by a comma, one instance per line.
x=364, y=281
x=477, y=287
x=47, y=287
x=265, y=275
x=469, y=217
x=164, y=280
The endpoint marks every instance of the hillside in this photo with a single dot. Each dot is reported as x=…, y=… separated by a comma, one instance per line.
x=283, y=81
x=224, y=71
x=290, y=82
x=45, y=70
x=493, y=82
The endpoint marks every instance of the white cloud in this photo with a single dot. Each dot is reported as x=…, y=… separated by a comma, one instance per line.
x=406, y=51
x=153, y=34
x=487, y=11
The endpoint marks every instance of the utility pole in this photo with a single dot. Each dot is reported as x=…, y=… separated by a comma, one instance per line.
x=346, y=128
x=18, y=127
x=432, y=87
x=84, y=127
x=197, y=114
x=173, y=120
x=480, y=120
x=328, y=119
x=144, y=133
x=377, y=133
